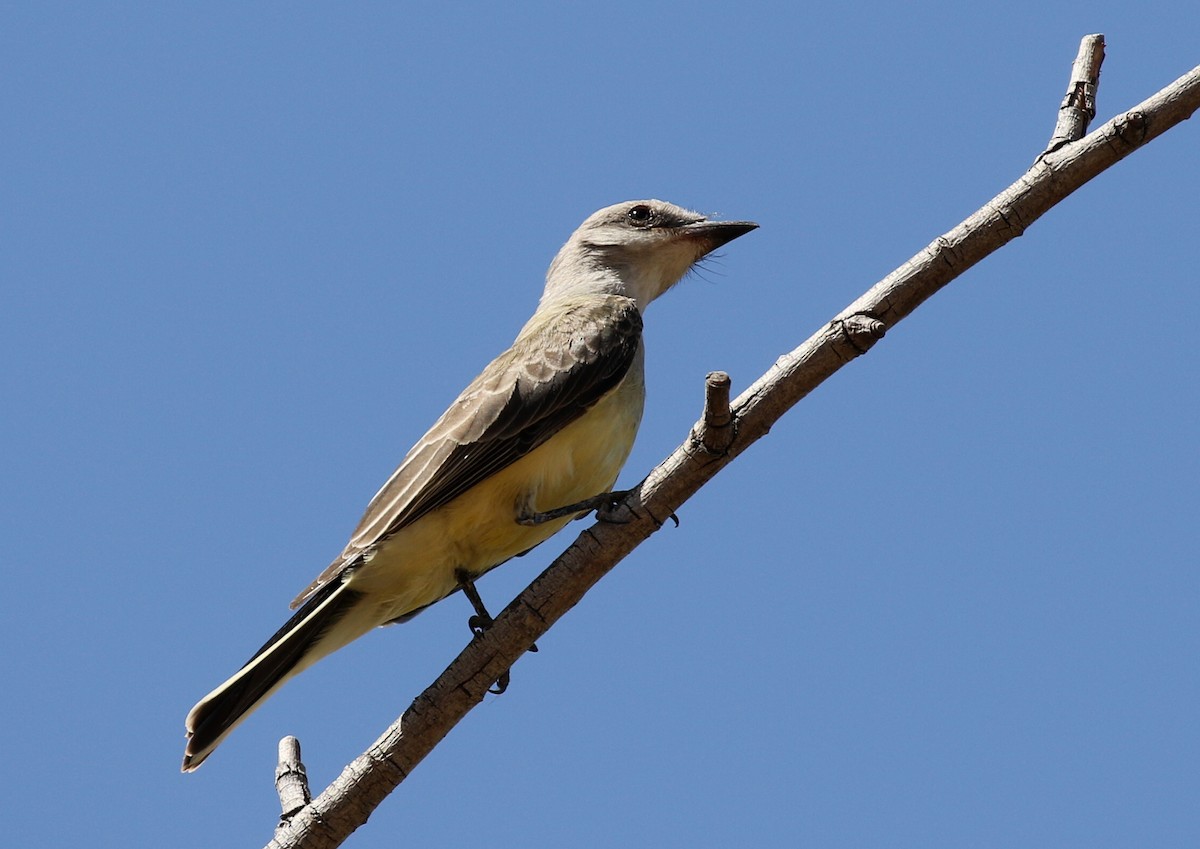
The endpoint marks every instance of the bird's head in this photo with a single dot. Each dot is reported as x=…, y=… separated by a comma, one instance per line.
x=639, y=249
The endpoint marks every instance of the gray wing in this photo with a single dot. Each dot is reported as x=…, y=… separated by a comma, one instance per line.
x=556, y=370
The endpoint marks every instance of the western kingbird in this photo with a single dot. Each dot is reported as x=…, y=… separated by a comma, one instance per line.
x=530, y=444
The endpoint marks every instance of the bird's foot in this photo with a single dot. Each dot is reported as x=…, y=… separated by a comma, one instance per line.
x=481, y=621
x=607, y=506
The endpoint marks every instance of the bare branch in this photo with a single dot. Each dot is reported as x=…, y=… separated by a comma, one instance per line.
x=291, y=781
x=715, y=430
x=349, y=800
x=1079, y=106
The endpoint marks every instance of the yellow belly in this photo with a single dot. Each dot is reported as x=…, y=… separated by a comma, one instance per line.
x=479, y=529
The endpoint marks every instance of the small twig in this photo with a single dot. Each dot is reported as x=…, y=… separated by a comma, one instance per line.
x=716, y=430
x=291, y=781
x=1079, y=106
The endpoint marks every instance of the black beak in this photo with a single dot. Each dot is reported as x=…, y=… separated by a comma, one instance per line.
x=714, y=234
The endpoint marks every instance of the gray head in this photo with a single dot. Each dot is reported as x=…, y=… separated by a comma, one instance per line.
x=639, y=249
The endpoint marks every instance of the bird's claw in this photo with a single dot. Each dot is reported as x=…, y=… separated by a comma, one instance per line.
x=480, y=622
x=606, y=504
x=614, y=510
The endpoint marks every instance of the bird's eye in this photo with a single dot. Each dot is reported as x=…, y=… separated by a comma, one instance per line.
x=640, y=215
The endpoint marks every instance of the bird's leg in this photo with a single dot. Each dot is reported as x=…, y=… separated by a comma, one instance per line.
x=481, y=621
x=604, y=504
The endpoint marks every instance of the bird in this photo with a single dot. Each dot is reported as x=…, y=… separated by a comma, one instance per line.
x=536, y=440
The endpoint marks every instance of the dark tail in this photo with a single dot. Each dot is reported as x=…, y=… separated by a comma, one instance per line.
x=299, y=643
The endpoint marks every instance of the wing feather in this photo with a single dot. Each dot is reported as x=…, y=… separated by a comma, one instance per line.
x=562, y=363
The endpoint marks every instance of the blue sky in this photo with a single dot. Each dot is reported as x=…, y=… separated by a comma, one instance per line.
x=250, y=253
